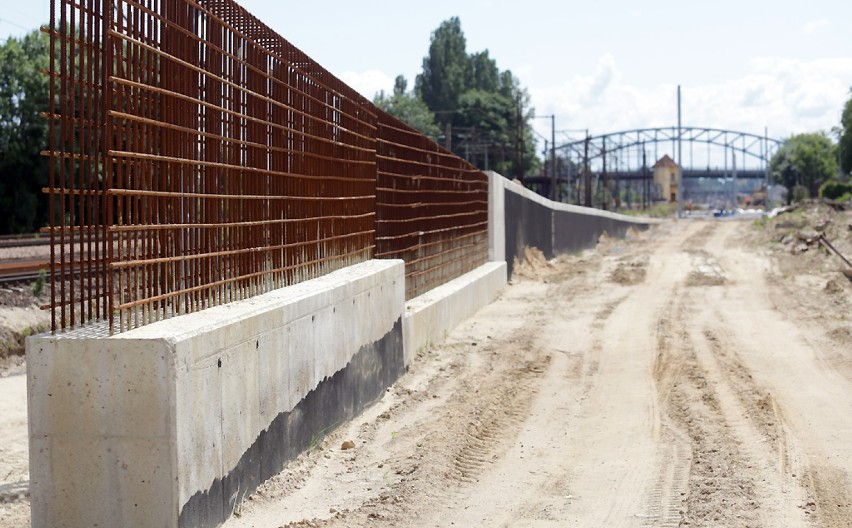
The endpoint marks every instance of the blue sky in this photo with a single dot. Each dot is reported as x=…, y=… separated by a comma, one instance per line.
x=605, y=66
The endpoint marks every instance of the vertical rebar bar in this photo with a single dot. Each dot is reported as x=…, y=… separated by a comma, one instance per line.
x=197, y=157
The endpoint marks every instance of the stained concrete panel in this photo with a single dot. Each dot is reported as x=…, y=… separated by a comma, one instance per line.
x=183, y=417
x=429, y=317
x=531, y=220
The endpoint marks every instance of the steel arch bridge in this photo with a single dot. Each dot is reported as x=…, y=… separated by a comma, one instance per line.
x=614, y=158
x=749, y=145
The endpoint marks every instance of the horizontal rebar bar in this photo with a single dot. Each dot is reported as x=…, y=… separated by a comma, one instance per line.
x=197, y=157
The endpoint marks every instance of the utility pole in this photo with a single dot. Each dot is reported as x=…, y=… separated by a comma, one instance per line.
x=554, y=188
x=486, y=147
x=587, y=176
x=734, y=180
x=544, y=168
x=766, y=162
x=604, y=177
x=519, y=143
x=644, y=180
x=569, y=173
x=617, y=197
x=680, y=178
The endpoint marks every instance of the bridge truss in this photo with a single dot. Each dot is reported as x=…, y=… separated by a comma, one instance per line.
x=613, y=168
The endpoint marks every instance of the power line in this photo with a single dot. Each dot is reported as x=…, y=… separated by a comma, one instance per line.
x=6, y=20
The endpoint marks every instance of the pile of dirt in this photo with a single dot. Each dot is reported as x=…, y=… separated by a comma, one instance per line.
x=634, y=234
x=630, y=271
x=533, y=265
x=798, y=232
x=604, y=242
x=20, y=316
x=806, y=272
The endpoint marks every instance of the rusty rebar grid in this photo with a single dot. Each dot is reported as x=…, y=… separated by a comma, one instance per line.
x=197, y=158
x=431, y=206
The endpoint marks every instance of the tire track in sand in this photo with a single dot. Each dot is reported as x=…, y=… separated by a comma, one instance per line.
x=742, y=457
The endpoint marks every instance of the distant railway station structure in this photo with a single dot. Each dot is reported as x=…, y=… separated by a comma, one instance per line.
x=632, y=167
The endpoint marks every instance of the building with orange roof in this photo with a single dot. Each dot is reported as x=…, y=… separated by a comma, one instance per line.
x=666, y=178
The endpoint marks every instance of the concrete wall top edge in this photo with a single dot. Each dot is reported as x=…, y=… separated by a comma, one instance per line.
x=605, y=214
x=182, y=327
x=530, y=195
x=459, y=283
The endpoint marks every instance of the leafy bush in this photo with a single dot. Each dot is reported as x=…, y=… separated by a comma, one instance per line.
x=835, y=190
x=38, y=286
x=800, y=193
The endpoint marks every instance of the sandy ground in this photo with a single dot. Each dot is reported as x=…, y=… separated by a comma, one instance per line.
x=14, y=468
x=692, y=376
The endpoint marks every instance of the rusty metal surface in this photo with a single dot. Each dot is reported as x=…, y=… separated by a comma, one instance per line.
x=219, y=160
x=432, y=208
x=198, y=158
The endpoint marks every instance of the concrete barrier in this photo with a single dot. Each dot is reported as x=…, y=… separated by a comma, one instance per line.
x=519, y=218
x=429, y=317
x=173, y=423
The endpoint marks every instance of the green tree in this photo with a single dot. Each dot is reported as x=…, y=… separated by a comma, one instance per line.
x=485, y=75
x=23, y=132
x=409, y=108
x=493, y=129
x=805, y=160
x=485, y=112
x=845, y=141
x=446, y=70
x=523, y=112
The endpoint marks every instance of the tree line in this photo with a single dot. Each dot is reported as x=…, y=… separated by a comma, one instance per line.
x=24, y=96
x=466, y=103
x=811, y=164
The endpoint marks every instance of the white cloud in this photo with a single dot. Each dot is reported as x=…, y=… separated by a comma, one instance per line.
x=368, y=83
x=606, y=74
x=800, y=96
x=786, y=95
x=813, y=26
x=604, y=102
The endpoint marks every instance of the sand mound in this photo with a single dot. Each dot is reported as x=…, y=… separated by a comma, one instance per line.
x=533, y=265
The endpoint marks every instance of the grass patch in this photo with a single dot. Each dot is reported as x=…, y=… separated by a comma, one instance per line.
x=13, y=345
x=317, y=438
x=37, y=287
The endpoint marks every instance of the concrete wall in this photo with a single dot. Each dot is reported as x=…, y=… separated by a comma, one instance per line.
x=172, y=423
x=520, y=218
x=429, y=317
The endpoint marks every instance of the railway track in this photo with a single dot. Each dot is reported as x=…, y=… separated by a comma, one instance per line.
x=14, y=269
x=34, y=239
x=22, y=270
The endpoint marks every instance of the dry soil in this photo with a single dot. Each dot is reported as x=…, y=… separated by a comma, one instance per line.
x=693, y=376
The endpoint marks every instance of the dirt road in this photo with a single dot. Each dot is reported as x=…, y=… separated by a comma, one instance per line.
x=671, y=381
x=684, y=378
x=14, y=468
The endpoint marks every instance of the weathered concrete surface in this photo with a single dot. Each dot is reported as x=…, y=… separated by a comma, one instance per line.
x=576, y=228
x=521, y=218
x=430, y=316
x=496, y=217
x=172, y=423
